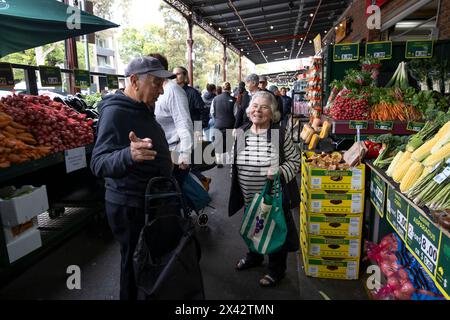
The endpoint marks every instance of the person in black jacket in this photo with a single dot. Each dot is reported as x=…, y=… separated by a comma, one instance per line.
x=252, y=82
x=223, y=113
x=130, y=149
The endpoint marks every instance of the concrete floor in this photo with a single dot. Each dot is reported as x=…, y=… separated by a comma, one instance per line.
x=97, y=255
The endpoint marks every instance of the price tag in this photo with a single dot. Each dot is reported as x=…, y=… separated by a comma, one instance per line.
x=401, y=220
x=354, y=248
x=357, y=179
x=440, y=178
x=380, y=50
x=346, y=52
x=75, y=159
x=415, y=126
x=313, y=271
x=419, y=49
x=82, y=78
x=315, y=250
x=356, y=203
x=353, y=228
x=429, y=249
x=410, y=231
x=351, y=270
x=384, y=125
x=314, y=228
x=316, y=206
x=316, y=183
x=6, y=76
x=361, y=124
x=50, y=76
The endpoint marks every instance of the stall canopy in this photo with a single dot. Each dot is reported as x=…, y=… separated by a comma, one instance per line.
x=26, y=24
x=265, y=30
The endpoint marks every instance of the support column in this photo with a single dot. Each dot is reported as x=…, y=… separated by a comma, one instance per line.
x=224, y=63
x=190, y=44
x=240, y=68
x=71, y=62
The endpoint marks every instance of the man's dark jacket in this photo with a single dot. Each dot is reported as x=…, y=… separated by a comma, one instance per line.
x=126, y=180
x=224, y=111
x=196, y=105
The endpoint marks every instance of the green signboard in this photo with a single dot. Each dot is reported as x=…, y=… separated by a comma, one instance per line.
x=443, y=266
x=384, y=125
x=420, y=49
x=397, y=212
x=423, y=240
x=82, y=78
x=50, y=76
x=346, y=52
x=378, y=193
x=415, y=126
x=363, y=125
x=113, y=81
x=6, y=76
x=379, y=50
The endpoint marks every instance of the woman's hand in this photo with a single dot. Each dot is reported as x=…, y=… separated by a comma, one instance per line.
x=272, y=172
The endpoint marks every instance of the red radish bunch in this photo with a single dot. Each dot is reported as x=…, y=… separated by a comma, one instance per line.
x=348, y=106
x=53, y=124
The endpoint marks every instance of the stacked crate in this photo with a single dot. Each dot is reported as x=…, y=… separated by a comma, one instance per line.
x=331, y=218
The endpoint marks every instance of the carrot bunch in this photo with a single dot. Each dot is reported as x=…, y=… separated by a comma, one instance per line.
x=385, y=111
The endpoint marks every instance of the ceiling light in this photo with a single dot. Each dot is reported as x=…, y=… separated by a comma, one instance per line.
x=248, y=38
x=210, y=24
x=310, y=41
x=341, y=25
x=311, y=15
x=220, y=28
x=271, y=27
x=326, y=31
x=302, y=52
x=242, y=49
x=336, y=28
x=263, y=51
x=301, y=39
x=286, y=49
x=247, y=53
x=276, y=41
x=239, y=29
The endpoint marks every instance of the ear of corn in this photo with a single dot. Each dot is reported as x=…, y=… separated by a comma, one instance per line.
x=314, y=141
x=424, y=151
x=309, y=135
x=401, y=170
x=394, y=162
x=326, y=127
x=412, y=175
x=442, y=141
x=426, y=171
x=439, y=155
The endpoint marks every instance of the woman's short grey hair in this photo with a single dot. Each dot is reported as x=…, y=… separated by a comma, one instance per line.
x=276, y=116
x=252, y=78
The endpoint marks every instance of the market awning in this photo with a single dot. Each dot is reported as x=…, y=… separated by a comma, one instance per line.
x=265, y=30
x=26, y=24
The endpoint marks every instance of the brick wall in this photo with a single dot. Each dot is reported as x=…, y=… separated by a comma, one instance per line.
x=443, y=24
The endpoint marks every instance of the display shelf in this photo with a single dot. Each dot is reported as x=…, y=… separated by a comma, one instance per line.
x=342, y=127
x=21, y=169
x=427, y=241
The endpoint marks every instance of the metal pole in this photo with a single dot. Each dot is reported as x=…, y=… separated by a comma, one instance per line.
x=190, y=43
x=224, y=62
x=240, y=68
x=71, y=58
x=86, y=46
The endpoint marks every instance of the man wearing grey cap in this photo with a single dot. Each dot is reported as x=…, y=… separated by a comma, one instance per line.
x=130, y=149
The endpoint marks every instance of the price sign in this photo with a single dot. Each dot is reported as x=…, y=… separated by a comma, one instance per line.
x=50, y=76
x=346, y=52
x=113, y=81
x=443, y=266
x=380, y=50
x=423, y=239
x=6, y=76
x=361, y=124
x=419, y=49
x=75, y=159
x=378, y=193
x=415, y=126
x=384, y=125
x=397, y=212
x=82, y=78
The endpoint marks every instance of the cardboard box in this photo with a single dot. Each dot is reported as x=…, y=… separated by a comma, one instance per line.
x=332, y=201
x=23, y=245
x=331, y=224
x=322, y=179
x=342, y=269
x=332, y=247
x=23, y=208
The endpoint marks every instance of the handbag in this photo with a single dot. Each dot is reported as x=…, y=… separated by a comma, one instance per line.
x=263, y=225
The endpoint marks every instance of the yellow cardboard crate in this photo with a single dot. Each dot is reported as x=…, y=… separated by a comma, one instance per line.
x=325, y=224
x=332, y=201
x=342, y=269
x=316, y=178
x=332, y=247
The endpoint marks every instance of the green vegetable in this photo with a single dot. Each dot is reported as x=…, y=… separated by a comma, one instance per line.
x=400, y=77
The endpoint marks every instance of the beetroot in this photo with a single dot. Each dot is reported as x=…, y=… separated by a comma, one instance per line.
x=348, y=106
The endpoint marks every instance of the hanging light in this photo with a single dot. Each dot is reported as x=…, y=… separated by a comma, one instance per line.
x=271, y=27
x=325, y=31
x=310, y=41
x=311, y=15
x=336, y=28
x=276, y=41
x=239, y=29
x=220, y=29
x=210, y=24
x=248, y=38
x=286, y=49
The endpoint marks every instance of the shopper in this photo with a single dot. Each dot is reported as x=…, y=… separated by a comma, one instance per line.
x=223, y=112
x=263, y=86
x=287, y=104
x=208, y=98
x=219, y=90
x=256, y=159
x=131, y=148
x=252, y=82
x=196, y=105
x=241, y=96
x=172, y=113
x=274, y=90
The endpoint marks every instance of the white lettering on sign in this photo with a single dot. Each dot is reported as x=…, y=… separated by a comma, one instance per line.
x=429, y=249
x=75, y=159
x=401, y=219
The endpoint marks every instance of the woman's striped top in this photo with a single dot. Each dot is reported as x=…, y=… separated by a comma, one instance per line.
x=254, y=161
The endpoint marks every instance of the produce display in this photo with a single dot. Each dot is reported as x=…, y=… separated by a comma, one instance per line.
x=314, y=86
x=52, y=124
x=350, y=106
x=332, y=161
x=406, y=279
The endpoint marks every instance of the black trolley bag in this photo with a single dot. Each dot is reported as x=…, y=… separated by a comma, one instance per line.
x=166, y=259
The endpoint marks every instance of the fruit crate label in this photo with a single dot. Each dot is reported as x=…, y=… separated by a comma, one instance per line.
x=82, y=78
x=351, y=270
x=75, y=159
x=421, y=49
x=357, y=182
x=50, y=76
x=378, y=193
x=379, y=50
x=357, y=203
x=346, y=52
x=353, y=228
x=113, y=81
x=6, y=76
x=397, y=213
x=423, y=239
x=384, y=125
x=443, y=266
x=354, y=124
x=415, y=126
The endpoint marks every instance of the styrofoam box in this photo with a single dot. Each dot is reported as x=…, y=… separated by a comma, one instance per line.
x=24, y=244
x=24, y=208
x=8, y=233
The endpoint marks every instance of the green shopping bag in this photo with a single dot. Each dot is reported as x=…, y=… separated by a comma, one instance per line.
x=263, y=224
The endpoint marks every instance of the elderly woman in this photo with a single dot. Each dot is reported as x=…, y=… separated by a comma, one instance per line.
x=256, y=159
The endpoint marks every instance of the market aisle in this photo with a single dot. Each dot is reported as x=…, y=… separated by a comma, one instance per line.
x=97, y=254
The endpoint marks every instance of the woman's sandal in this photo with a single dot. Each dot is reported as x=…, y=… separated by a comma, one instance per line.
x=244, y=264
x=268, y=281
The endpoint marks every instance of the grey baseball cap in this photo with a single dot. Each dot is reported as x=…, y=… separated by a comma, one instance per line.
x=149, y=65
x=262, y=79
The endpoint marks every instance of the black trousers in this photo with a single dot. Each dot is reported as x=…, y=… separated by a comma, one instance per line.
x=126, y=224
x=277, y=261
